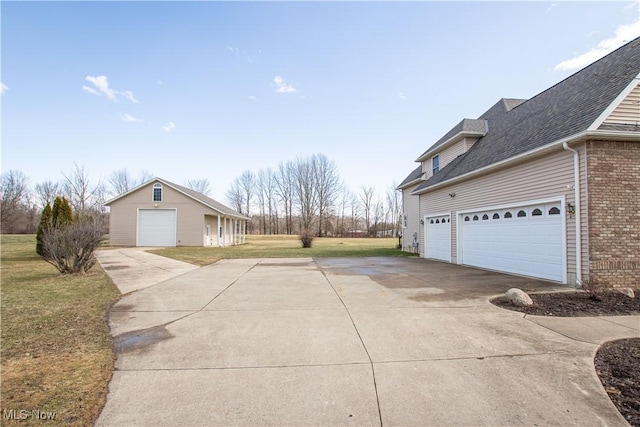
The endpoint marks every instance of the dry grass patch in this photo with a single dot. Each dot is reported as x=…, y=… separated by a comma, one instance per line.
x=287, y=247
x=56, y=348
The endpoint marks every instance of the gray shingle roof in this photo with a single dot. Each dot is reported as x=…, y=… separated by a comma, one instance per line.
x=413, y=176
x=561, y=111
x=470, y=126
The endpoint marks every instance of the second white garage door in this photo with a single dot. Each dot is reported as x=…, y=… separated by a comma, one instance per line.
x=526, y=240
x=157, y=227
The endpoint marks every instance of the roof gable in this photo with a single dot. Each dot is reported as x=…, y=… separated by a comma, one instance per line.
x=194, y=195
x=564, y=110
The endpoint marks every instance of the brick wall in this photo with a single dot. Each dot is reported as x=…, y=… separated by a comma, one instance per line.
x=613, y=185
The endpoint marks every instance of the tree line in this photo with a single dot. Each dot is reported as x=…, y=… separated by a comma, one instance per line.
x=308, y=195
x=21, y=205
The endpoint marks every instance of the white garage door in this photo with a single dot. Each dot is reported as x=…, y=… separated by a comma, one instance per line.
x=525, y=240
x=157, y=227
x=438, y=237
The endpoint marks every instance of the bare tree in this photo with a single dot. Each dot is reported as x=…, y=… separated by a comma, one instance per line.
x=201, y=185
x=235, y=196
x=394, y=205
x=285, y=185
x=47, y=191
x=84, y=196
x=327, y=184
x=14, y=198
x=247, y=184
x=121, y=181
x=306, y=194
x=366, y=197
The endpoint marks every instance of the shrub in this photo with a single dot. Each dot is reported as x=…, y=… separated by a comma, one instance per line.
x=306, y=237
x=43, y=227
x=61, y=213
x=70, y=248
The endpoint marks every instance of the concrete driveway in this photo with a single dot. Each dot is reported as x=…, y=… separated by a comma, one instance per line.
x=375, y=341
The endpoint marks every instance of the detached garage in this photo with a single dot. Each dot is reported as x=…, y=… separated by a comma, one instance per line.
x=160, y=213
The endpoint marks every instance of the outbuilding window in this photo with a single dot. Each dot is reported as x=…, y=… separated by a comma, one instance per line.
x=157, y=192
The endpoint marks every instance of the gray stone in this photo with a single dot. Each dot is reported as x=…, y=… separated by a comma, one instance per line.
x=627, y=291
x=518, y=297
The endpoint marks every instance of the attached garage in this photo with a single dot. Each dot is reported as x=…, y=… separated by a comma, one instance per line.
x=157, y=227
x=438, y=237
x=524, y=240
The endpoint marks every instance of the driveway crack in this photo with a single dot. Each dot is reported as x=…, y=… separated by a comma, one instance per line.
x=373, y=370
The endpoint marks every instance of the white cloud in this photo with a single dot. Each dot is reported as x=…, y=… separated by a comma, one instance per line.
x=3, y=88
x=129, y=118
x=101, y=88
x=283, y=87
x=169, y=127
x=402, y=96
x=252, y=97
x=159, y=82
x=240, y=54
x=623, y=34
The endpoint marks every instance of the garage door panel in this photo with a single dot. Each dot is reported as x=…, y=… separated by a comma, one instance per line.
x=157, y=227
x=532, y=245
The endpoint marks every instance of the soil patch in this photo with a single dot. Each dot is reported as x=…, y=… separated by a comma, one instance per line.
x=617, y=361
x=619, y=371
x=575, y=304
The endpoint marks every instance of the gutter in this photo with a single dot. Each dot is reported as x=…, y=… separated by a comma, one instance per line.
x=617, y=135
x=576, y=190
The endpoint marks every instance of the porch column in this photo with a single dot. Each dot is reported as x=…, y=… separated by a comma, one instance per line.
x=218, y=231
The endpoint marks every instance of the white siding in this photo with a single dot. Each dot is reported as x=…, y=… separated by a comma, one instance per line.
x=628, y=112
x=544, y=178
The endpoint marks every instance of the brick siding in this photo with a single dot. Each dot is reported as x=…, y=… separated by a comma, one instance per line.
x=613, y=185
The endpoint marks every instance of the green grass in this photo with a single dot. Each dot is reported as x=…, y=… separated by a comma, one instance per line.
x=287, y=247
x=56, y=349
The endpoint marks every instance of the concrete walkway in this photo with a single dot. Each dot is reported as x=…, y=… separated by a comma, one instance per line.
x=134, y=268
x=351, y=342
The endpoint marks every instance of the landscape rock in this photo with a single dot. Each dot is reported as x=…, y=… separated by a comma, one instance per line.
x=518, y=297
x=627, y=291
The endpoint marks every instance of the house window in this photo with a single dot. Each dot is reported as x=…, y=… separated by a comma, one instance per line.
x=435, y=163
x=404, y=221
x=157, y=192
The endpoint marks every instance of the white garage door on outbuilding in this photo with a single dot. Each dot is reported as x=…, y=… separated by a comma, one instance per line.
x=157, y=227
x=526, y=240
x=438, y=237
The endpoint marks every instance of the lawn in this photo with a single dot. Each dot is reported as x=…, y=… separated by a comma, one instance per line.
x=287, y=247
x=56, y=348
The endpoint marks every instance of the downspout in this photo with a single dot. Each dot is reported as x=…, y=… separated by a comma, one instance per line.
x=576, y=190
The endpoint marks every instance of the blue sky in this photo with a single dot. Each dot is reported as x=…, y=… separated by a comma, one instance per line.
x=210, y=89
